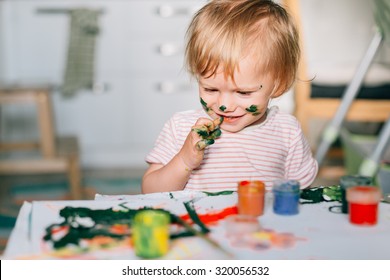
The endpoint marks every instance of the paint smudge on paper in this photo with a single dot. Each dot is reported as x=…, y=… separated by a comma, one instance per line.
x=265, y=239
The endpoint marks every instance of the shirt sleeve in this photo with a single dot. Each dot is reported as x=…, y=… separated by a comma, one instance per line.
x=165, y=147
x=300, y=163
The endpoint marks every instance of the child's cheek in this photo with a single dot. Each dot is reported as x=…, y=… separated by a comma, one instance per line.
x=204, y=105
x=254, y=109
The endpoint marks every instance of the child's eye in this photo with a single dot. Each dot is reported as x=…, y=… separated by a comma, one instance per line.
x=210, y=89
x=244, y=93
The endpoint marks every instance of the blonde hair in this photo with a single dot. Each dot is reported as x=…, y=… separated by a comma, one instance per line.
x=224, y=31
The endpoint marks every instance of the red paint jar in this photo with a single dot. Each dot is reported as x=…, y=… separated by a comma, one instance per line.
x=251, y=198
x=363, y=204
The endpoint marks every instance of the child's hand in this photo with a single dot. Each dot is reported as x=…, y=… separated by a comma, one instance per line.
x=207, y=132
x=202, y=135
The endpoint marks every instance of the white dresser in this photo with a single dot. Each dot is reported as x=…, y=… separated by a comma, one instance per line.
x=140, y=77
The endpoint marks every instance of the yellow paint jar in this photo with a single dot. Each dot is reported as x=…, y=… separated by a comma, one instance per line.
x=151, y=233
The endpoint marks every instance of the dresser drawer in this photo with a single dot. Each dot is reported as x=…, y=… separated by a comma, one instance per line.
x=147, y=57
x=157, y=19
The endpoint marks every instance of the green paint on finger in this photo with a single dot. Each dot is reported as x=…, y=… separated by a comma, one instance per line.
x=216, y=133
x=201, y=132
x=204, y=143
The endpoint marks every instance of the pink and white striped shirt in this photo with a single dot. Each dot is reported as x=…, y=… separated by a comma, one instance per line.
x=275, y=149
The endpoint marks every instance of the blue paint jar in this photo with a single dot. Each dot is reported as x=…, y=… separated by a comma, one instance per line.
x=286, y=197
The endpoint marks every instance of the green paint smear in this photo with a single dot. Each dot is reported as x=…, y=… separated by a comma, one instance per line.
x=202, y=132
x=208, y=135
x=320, y=194
x=222, y=108
x=204, y=105
x=194, y=216
x=204, y=143
x=219, y=193
x=216, y=133
x=103, y=220
x=253, y=109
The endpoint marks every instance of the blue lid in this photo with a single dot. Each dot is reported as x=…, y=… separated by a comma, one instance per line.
x=291, y=186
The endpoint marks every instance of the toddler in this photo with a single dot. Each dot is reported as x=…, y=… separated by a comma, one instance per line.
x=243, y=53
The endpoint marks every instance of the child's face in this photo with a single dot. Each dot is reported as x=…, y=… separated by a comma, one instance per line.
x=242, y=103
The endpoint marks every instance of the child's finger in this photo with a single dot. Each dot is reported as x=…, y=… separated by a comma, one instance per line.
x=218, y=121
x=202, y=144
x=207, y=128
x=201, y=130
x=215, y=134
x=214, y=124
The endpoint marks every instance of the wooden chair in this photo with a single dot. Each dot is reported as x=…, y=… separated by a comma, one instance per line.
x=56, y=155
x=309, y=108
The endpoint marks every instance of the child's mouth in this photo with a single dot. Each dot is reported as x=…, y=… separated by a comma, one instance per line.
x=230, y=119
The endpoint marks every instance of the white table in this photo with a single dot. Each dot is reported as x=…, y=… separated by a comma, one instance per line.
x=320, y=234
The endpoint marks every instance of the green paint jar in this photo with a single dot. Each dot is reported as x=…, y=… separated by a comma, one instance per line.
x=151, y=233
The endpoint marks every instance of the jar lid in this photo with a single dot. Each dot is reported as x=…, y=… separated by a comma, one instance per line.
x=152, y=217
x=255, y=186
x=348, y=181
x=288, y=186
x=363, y=194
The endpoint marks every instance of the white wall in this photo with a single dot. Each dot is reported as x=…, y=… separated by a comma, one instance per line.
x=336, y=36
x=117, y=127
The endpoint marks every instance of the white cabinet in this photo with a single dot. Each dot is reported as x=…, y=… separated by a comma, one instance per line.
x=139, y=62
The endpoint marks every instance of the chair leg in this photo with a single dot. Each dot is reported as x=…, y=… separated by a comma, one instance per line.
x=45, y=119
x=75, y=178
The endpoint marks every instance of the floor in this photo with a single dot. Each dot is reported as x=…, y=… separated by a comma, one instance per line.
x=15, y=190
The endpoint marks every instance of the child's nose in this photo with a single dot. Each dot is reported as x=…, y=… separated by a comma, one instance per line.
x=225, y=102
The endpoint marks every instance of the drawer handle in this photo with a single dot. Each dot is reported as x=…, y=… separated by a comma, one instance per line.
x=167, y=11
x=169, y=49
x=99, y=88
x=168, y=87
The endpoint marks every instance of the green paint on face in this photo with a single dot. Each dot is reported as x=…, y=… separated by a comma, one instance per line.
x=253, y=109
x=204, y=105
x=222, y=108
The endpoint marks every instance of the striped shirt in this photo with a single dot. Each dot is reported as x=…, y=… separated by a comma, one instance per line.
x=275, y=149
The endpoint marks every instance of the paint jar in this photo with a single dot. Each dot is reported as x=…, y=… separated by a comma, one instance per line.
x=251, y=198
x=348, y=181
x=151, y=233
x=363, y=204
x=286, y=197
